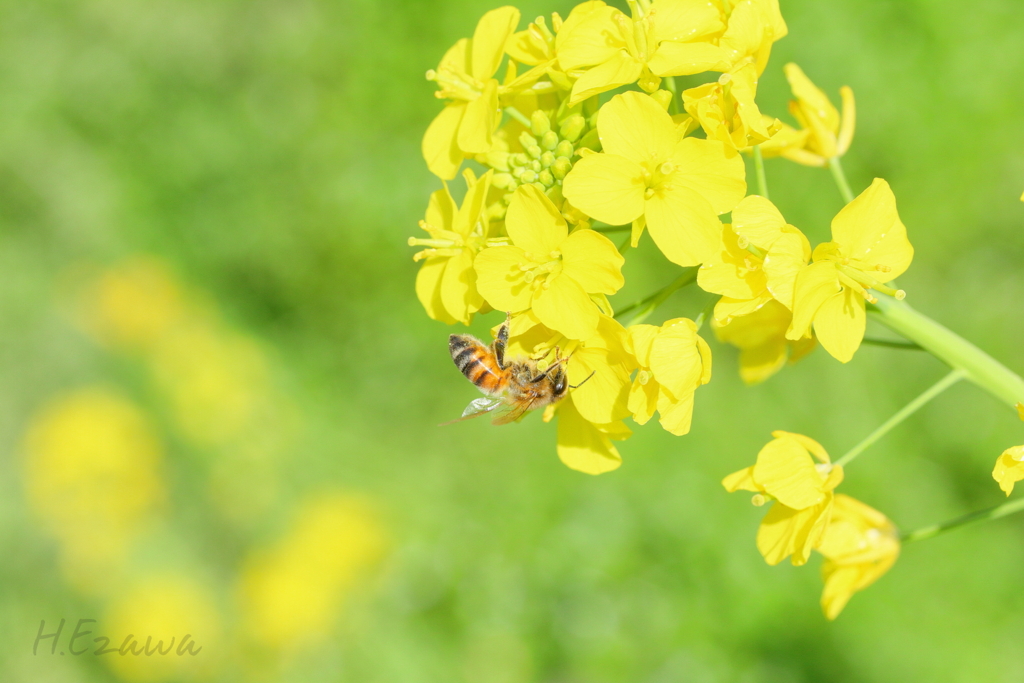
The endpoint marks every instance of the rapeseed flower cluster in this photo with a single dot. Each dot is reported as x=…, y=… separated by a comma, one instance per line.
x=556, y=156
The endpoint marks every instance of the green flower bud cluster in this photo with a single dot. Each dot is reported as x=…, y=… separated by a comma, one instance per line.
x=547, y=154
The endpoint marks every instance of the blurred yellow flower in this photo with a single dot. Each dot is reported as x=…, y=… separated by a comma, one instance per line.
x=802, y=490
x=164, y=615
x=649, y=174
x=466, y=78
x=446, y=282
x=753, y=26
x=583, y=445
x=859, y=545
x=761, y=338
x=92, y=476
x=608, y=49
x=1009, y=468
x=869, y=248
x=548, y=269
x=134, y=304
x=674, y=362
x=828, y=134
x=292, y=592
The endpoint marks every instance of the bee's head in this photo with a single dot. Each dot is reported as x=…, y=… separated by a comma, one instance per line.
x=560, y=382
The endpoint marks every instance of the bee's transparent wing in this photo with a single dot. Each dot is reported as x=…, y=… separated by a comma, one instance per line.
x=477, y=407
x=510, y=412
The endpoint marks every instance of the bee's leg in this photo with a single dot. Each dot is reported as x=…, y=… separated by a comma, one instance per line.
x=501, y=341
x=551, y=367
x=577, y=386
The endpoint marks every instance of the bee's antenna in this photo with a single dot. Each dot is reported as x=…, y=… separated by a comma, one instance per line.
x=577, y=386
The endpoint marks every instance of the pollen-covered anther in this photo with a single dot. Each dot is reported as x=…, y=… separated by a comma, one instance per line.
x=667, y=168
x=900, y=295
x=724, y=79
x=742, y=242
x=643, y=377
x=431, y=75
x=758, y=500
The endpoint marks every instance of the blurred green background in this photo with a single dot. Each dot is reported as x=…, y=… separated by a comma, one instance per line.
x=219, y=395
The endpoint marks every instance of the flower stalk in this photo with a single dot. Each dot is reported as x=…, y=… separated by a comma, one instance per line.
x=996, y=512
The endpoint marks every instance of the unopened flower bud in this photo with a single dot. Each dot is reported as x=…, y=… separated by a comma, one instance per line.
x=540, y=123
x=547, y=158
x=503, y=181
x=561, y=167
x=663, y=98
x=528, y=176
x=564, y=149
x=546, y=178
x=527, y=140
x=572, y=127
x=534, y=151
x=549, y=140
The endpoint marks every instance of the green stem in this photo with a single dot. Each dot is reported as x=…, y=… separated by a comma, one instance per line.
x=648, y=304
x=670, y=85
x=707, y=312
x=893, y=344
x=996, y=512
x=519, y=116
x=626, y=244
x=979, y=367
x=908, y=410
x=605, y=228
x=836, y=167
x=762, y=180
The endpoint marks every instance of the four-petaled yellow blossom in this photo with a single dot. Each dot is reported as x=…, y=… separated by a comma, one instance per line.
x=446, y=283
x=466, y=77
x=727, y=112
x=761, y=339
x=1009, y=468
x=828, y=134
x=869, y=247
x=547, y=269
x=802, y=490
x=674, y=361
x=859, y=545
x=649, y=174
x=610, y=50
x=758, y=259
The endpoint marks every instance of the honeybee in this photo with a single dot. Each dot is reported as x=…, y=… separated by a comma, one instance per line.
x=513, y=386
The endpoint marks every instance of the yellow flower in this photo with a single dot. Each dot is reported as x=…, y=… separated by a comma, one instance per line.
x=466, y=78
x=859, y=545
x=828, y=134
x=761, y=339
x=536, y=45
x=758, y=259
x=446, y=283
x=583, y=445
x=93, y=464
x=674, y=362
x=801, y=489
x=599, y=366
x=548, y=269
x=650, y=175
x=292, y=592
x=1009, y=468
x=727, y=111
x=753, y=26
x=612, y=50
x=786, y=141
x=869, y=248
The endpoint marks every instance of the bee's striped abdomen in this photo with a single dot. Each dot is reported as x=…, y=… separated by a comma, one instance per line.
x=477, y=363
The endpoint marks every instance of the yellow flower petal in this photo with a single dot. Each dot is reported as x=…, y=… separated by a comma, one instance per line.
x=815, y=448
x=742, y=480
x=428, y=289
x=589, y=36
x=534, y=224
x=787, y=257
x=675, y=413
x=686, y=59
x=785, y=470
x=500, y=280
x=814, y=285
x=581, y=445
x=1009, y=468
x=473, y=204
x=785, y=531
x=732, y=271
x=440, y=149
x=1020, y=410
x=607, y=187
x=562, y=305
x=592, y=260
x=758, y=220
x=643, y=401
x=675, y=359
x=492, y=32
x=702, y=166
x=603, y=397
x=634, y=126
x=869, y=229
x=839, y=324
x=641, y=339
x=758, y=363
x=685, y=20
x=683, y=225
x=441, y=209
x=458, y=287
x=622, y=69
x=480, y=120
